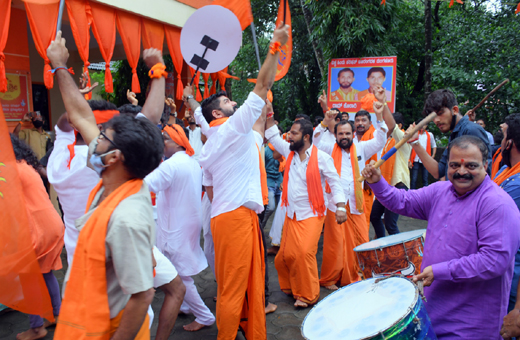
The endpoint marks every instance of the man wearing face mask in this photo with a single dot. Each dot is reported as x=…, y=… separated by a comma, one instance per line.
x=109, y=285
x=472, y=237
x=448, y=118
x=36, y=138
x=340, y=266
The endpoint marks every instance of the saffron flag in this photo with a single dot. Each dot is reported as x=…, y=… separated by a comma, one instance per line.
x=241, y=8
x=284, y=62
x=23, y=286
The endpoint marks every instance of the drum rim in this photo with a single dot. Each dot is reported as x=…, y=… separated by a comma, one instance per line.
x=408, y=311
x=391, y=244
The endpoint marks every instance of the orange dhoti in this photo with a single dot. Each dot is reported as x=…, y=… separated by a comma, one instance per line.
x=240, y=274
x=355, y=233
x=332, y=263
x=296, y=260
x=144, y=331
x=368, y=197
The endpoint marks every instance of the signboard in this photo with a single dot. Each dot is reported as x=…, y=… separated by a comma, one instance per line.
x=350, y=79
x=15, y=102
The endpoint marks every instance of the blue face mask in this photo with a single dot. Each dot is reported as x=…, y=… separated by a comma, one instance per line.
x=97, y=162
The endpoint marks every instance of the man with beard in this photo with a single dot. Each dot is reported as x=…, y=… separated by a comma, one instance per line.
x=195, y=136
x=340, y=265
x=306, y=172
x=448, y=118
x=345, y=92
x=376, y=77
x=472, y=236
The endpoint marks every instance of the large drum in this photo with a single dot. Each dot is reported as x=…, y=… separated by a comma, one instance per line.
x=389, y=309
x=396, y=254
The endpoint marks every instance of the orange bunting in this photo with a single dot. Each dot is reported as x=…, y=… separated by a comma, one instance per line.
x=284, y=60
x=241, y=8
x=205, y=76
x=173, y=39
x=367, y=102
x=517, y=8
x=5, y=14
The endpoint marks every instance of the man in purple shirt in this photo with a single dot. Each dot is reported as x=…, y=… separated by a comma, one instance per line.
x=471, y=240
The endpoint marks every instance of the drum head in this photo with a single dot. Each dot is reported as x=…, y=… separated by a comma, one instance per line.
x=360, y=310
x=390, y=240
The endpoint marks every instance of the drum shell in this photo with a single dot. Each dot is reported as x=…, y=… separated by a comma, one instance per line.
x=392, y=259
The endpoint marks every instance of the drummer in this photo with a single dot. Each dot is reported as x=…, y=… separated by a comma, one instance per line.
x=472, y=236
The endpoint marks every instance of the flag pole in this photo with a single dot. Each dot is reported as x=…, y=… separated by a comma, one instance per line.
x=60, y=16
x=253, y=30
x=284, y=9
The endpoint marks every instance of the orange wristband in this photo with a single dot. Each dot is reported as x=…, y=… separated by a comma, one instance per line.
x=275, y=47
x=158, y=71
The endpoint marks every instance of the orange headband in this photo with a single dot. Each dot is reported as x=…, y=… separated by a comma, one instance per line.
x=104, y=116
x=178, y=135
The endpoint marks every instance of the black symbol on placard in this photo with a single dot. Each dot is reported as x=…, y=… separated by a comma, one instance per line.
x=209, y=44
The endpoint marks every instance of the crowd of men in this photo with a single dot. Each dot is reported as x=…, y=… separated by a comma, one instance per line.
x=137, y=188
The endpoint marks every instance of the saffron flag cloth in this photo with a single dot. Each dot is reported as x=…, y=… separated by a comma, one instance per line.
x=5, y=15
x=241, y=8
x=284, y=61
x=21, y=279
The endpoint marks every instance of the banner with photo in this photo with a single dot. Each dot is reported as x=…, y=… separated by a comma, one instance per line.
x=350, y=79
x=15, y=102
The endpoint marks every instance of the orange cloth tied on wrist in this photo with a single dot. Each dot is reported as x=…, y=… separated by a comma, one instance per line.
x=101, y=117
x=314, y=189
x=337, y=156
x=158, y=71
x=85, y=312
x=178, y=135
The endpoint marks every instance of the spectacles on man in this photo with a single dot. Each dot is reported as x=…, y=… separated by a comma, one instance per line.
x=102, y=135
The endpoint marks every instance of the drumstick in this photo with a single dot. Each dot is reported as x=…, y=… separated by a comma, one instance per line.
x=490, y=94
x=393, y=150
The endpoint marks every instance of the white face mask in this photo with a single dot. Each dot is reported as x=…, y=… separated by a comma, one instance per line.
x=97, y=162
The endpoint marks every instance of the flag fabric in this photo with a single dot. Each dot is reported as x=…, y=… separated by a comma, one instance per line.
x=284, y=62
x=23, y=286
x=241, y=8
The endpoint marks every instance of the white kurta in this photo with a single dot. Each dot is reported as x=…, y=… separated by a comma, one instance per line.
x=178, y=185
x=277, y=226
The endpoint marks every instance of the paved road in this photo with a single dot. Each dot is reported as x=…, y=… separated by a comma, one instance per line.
x=283, y=324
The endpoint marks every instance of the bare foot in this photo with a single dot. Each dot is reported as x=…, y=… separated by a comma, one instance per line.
x=332, y=287
x=271, y=307
x=32, y=334
x=273, y=250
x=300, y=304
x=47, y=323
x=193, y=327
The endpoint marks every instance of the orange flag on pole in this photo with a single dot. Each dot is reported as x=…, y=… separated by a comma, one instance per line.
x=284, y=62
x=241, y=8
x=23, y=286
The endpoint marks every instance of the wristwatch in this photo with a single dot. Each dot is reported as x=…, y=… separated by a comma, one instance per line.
x=189, y=97
x=341, y=209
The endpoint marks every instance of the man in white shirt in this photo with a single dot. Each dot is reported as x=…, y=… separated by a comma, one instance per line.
x=178, y=185
x=306, y=171
x=340, y=265
x=231, y=163
x=195, y=136
x=427, y=141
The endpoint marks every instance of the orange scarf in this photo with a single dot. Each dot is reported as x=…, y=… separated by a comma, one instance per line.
x=337, y=156
x=428, y=147
x=282, y=160
x=263, y=174
x=314, y=189
x=497, y=158
x=508, y=172
x=368, y=135
x=101, y=117
x=85, y=310
x=387, y=169
x=178, y=135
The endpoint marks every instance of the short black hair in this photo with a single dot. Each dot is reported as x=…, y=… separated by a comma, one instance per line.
x=513, y=129
x=346, y=69
x=363, y=113
x=23, y=152
x=102, y=105
x=343, y=122
x=141, y=143
x=498, y=136
x=376, y=69
x=306, y=128
x=438, y=100
x=130, y=109
x=463, y=142
x=211, y=103
x=335, y=109
x=398, y=117
x=317, y=120
x=303, y=116
x=338, y=117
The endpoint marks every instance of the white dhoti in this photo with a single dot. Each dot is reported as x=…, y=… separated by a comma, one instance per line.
x=193, y=303
x=277, y=226
x=209, y=248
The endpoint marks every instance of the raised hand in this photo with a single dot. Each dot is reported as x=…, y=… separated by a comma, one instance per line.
x=152, y=56
x=415, y=136
x=171, y=104
x=380, y=94
x=57, y=53
x=83, y=84
x=371, y=174
x=472, y=115
x=322, y=100
x=131, y=97
x=378, y=109
x=329, y=118
x=188, y=91
x=281, y=33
